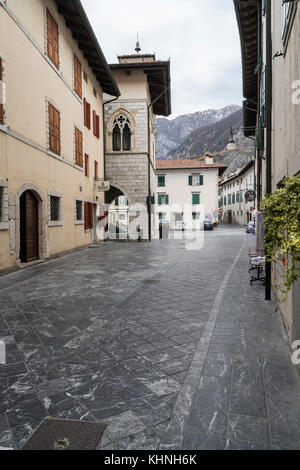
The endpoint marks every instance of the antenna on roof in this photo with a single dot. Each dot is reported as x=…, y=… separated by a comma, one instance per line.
x=137, y=47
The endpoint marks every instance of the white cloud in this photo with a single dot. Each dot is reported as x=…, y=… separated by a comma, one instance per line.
x=200, y=36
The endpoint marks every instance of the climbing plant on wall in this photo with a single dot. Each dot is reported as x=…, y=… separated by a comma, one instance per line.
x=282, y=230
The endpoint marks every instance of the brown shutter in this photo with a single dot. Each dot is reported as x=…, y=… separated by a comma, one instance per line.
x=88, y=110
x=78, y=147
x=86, y=165
x=1, y=69
x=97, y=126
x=54, y=129
x=87, y=113
x=77, y=77
x=96, y=170
x=86, y=216
x=91, y=215
x=52, y=39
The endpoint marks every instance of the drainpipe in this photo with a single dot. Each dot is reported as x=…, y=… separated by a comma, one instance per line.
x=149, y=164
x=104, y=134
x=268, y=124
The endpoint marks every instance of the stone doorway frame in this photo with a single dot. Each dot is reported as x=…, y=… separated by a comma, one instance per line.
x=42, y=245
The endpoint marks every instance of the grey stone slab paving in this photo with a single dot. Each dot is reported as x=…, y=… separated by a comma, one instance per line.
x=196, y=360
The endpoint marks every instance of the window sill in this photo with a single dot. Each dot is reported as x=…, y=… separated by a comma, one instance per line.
x=79, y=222
x=4, y=225
x=55, y=223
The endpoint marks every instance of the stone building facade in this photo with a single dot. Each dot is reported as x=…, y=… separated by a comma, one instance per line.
x=130, y=159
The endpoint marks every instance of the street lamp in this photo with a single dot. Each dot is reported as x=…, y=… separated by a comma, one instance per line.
x=231, y=144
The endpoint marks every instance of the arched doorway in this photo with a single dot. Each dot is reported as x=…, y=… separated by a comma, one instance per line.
x=118, y=218
x=29, y=227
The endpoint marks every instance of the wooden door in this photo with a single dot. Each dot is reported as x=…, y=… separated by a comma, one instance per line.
x=29, y=241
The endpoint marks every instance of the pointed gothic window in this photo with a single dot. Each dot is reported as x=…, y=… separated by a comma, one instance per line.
x=121, y=134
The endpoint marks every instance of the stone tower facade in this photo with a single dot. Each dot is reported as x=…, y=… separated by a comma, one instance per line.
x=130, y=133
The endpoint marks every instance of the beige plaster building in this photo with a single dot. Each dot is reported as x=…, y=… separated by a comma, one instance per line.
x=270, y=34
x=53, y=76
x=130, y=128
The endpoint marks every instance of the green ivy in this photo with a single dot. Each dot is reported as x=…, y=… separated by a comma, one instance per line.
x=282, y=230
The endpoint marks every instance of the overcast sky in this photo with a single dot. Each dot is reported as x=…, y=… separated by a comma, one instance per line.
x=199, y=36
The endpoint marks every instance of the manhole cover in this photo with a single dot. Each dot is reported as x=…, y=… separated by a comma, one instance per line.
x=65, y=434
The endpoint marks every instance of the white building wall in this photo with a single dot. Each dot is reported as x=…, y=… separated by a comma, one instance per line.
x=180, y=193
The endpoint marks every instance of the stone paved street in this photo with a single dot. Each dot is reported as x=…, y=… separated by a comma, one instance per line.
x=171, y=348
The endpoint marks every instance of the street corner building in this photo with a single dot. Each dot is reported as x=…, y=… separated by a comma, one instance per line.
x=187, y=183
x=53, y=75
x=130, y=129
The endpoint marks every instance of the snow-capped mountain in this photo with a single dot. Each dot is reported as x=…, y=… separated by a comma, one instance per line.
x=171, y=133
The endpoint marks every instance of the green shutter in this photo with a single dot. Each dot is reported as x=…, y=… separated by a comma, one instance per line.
x=201, y=180
x=196, y=199
x=159, y=199
x=117, y=201
x=190, y=180
x=161, y=181
x=167, y=199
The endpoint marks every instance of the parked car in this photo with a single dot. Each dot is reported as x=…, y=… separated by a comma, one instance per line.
x=208, y=225
x=250, y=227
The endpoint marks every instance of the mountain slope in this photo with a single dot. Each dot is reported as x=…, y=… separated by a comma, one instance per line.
x=171, y=133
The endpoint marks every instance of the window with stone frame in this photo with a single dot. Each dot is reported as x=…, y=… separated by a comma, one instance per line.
x=79, y=210
x=54, y=208
x=121, y=134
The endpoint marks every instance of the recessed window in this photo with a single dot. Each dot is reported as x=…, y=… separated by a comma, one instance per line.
x=86, y=165
x=78, y=147
x=85, y=76
x=87, y=113
x=196, y=215
x=54, y=208
x=77, y=77
x=121, y=134
x=163, y=199
x=161, y=180
x=52, y=40
x=196, y=180
x=195, y=198
x=95, y=92
x=54, y=129
x=79, y=210
x=96, y=125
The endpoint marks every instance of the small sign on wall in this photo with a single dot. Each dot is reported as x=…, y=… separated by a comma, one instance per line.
x=102, y=186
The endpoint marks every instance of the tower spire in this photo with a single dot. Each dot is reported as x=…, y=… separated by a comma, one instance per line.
x=137, y=47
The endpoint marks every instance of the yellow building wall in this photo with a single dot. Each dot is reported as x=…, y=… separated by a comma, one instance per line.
x=31, y=80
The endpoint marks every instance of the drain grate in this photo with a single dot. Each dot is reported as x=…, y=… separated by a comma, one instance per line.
x=150, y=281
x=65, y=434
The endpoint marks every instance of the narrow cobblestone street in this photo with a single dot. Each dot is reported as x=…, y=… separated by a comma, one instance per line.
x=171, y=348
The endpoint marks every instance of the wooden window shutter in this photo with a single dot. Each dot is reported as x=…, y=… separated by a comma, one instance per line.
x=1, y=69
x=167, y=199
x=87, y=114
x=86, y=164
x=159, y=199
x=91, y=215
x=52, y=39
x=78, y=147
x=86, y=216
x=201, y=179
x=94, y=122
x=77, y=76
x=97, y=126
x=190, y=180
x=96, y=170
x=54, y=129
